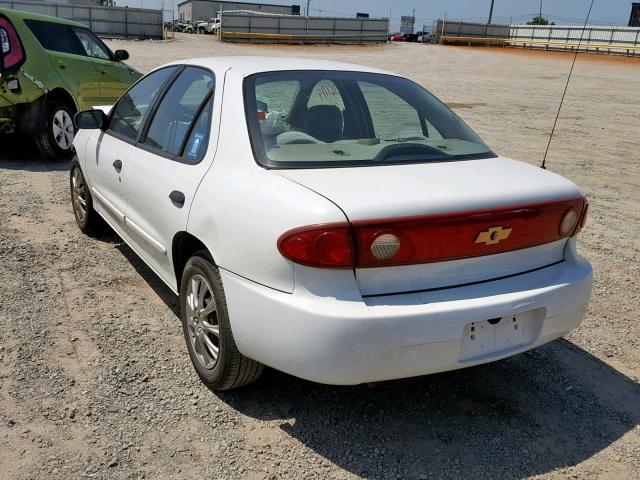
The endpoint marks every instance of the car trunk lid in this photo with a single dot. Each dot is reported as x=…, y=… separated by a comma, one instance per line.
x=480, y=219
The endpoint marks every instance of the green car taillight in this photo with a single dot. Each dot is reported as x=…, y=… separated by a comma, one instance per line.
x=12, y=52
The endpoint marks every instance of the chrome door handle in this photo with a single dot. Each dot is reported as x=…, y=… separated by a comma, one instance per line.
x=117, y=165
x=177, y=198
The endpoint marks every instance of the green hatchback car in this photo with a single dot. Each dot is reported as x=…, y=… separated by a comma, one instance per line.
x=50, y=69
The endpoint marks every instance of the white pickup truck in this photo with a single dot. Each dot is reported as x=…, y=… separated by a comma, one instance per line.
x=210, y=26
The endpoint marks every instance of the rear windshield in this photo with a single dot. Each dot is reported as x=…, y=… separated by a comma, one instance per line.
x=311, y=119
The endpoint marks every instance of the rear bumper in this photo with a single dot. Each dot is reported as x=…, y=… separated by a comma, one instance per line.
x=351, y=341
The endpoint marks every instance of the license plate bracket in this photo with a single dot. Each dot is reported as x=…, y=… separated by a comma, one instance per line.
x=497, y=336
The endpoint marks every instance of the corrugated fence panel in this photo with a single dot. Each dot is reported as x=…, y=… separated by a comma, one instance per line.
x=589, y=38
x=613, y=39
x=354, y=25
x=470, y=29
x=293, y=23
x=309, y=30
x=123, y=21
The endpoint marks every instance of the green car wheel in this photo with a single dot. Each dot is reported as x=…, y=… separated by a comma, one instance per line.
x=56, y=140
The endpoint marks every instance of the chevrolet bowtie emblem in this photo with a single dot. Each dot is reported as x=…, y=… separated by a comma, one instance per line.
x=493, y=235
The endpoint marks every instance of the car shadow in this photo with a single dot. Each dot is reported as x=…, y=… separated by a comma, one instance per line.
x=528, y=415
x=158, y=286
x=531, y=414
x=19, y=152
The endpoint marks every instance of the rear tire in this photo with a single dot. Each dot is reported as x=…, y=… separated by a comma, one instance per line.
x=87, y=218
x=56, y=140
x=207, y=330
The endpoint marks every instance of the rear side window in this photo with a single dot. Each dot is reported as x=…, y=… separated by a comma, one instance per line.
x=92, y=46
x=54, y=36
x=196, y=145
x=178, y=112
x=132, y=108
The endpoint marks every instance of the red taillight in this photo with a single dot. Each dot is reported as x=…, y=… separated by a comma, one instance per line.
x=10, y=46
x=327, y=246
x=442, y=237
x=433, y=238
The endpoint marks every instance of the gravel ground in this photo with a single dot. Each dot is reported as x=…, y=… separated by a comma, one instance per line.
x=95, y=381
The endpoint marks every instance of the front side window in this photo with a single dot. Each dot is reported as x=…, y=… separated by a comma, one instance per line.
x=91, y=44
x=178, y=111
x=132, y=108
x=311, y=119
x=54, y=36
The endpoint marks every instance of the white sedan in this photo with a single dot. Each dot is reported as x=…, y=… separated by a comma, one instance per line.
x=332, y=221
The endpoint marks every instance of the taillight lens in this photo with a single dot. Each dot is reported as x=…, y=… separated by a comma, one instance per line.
x=327, y=246
x=12, y=52
x=4, y=41
x=433, y=238
x=583, y=218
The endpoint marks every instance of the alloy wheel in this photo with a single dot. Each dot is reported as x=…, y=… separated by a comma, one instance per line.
x=79, y=194
x=202, y=321
x=63, y=131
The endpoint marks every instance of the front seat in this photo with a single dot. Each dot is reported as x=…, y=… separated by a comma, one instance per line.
x=324, y=122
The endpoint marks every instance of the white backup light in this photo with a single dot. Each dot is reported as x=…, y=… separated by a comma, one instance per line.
x=385, y=246
x=569, y=222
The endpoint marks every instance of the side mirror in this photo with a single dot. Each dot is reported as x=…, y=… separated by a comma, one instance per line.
x=91, y=120
x=121, y=55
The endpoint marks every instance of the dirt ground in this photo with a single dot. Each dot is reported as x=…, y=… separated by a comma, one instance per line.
x=95, y=381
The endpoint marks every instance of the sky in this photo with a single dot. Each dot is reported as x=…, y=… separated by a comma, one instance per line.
x=605, y=12
x=610, y=12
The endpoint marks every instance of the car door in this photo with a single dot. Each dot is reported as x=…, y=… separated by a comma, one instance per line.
x=114, y=76
x=168, y=164
x=74, y=68
x=107, y=169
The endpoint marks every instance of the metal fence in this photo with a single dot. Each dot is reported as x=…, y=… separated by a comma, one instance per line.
x=450, y=28
x=615, y=39
x=243, y=27
x=104, y=21
x=625, y=40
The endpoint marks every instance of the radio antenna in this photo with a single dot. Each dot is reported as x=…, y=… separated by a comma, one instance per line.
x=544, y=160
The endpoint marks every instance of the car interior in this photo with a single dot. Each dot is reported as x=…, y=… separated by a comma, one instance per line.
x=308, y=117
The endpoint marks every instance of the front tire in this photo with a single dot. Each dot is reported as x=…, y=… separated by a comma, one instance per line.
x=207, y=330
x=87, y=218
x=56, y=140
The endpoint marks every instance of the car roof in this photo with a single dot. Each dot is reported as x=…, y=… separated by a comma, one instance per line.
x=249, y=65
x=19, y=14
